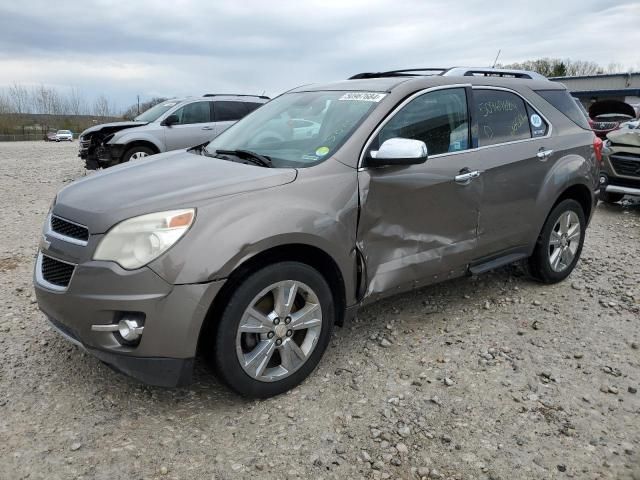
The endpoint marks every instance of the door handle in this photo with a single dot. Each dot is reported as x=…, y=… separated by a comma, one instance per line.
x=207, y=128
x=544, y=154
x=466, y=177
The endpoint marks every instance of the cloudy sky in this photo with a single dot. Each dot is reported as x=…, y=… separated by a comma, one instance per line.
x=125, y=48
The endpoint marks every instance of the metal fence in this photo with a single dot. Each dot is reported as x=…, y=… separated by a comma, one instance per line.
x=21, y=137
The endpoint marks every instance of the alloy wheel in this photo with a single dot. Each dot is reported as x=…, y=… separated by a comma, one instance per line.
x=564, y=241
x=278, y=331
x=138, y=156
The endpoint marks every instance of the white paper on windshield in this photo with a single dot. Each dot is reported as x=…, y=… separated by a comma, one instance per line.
x=363, y=96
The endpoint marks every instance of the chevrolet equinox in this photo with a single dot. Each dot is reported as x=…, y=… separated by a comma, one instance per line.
x=250, y=248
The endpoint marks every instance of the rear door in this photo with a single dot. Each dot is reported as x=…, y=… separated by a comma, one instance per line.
x=417, y=223
x=194, y=126
x=226, y=113
x=514, y=156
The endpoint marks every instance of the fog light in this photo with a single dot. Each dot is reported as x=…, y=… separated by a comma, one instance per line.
x=130, y=329
x=603, y=179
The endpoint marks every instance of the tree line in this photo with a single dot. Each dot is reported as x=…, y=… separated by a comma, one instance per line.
x=21, y=99
x=558, y=67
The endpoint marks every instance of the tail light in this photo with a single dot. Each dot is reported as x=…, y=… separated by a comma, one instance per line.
x=597, y=148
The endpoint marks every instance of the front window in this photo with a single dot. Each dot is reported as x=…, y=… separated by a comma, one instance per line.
x=299, y=129
x=197, y=112
x=156, y=112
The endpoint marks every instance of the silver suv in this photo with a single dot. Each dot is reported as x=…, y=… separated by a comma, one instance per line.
x=170, y=125
x=249, y=249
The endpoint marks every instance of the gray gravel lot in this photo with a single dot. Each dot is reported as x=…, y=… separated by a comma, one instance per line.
x=494, y=377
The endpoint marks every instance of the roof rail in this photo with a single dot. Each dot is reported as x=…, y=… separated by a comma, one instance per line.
x=452, y=71
x=407, y=72
x=493, y=72
x=234, y=95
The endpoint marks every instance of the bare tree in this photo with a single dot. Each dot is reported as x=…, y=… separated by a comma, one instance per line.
x=5, y=105
x=19, y=98
x=47, y=100
x=75, y=102
x=132, y=112
x=102, y=107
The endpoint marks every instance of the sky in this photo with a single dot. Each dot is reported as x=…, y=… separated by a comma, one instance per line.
x=150, y=48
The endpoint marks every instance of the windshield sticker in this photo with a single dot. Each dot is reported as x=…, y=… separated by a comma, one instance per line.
x=536, y=121
x=170, y=104
x=322, y=151
x=363, y=96
x=311, y=158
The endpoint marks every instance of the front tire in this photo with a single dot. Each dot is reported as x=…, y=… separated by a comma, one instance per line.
x=274, y=329
x=136, y=153
x=608, y=197
x=560, y=243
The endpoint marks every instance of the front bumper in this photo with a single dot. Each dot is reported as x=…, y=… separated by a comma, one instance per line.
x=623, y=190
x=100, y=293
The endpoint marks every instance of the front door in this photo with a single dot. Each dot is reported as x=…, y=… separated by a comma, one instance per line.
x=193, y=128
x=418, y=223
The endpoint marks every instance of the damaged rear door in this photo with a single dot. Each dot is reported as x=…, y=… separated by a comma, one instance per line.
x=418, y=224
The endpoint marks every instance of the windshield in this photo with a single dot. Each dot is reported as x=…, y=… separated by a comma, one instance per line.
x=299, y=129
x=156, y=112
x=64, y=131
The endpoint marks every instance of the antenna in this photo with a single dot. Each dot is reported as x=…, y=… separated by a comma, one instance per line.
x=496, y=60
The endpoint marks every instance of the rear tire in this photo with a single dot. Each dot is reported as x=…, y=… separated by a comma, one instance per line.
x=136, y=153
x=608, y=197
x=259, y=354
x=560, y=243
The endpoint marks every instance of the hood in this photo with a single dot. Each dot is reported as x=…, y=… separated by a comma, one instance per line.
x=168, y=181
x=611, y=107
x=112, y=127
x=625, y=137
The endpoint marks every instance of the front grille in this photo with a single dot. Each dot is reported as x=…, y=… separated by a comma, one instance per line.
x=56, y=272
x=626, y=165
x=69, y=229
x=605, y=125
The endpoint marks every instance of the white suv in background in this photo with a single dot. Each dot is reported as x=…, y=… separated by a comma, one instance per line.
x=170, y=125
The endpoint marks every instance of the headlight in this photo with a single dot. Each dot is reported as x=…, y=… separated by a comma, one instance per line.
x=137, y=241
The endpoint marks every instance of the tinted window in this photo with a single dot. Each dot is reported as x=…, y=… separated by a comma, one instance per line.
x=439, y=119
x=502, y=117
x=229, y=111
x=250, y=106
x=562, y=101
x=197, y=112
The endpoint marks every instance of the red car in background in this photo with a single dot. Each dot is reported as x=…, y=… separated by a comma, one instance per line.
x=607, y=115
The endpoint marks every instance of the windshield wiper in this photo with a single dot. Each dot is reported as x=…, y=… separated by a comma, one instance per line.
x=253, y=157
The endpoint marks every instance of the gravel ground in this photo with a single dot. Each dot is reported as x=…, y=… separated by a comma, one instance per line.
x=494, y=377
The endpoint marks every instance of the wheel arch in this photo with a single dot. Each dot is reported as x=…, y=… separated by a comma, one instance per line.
x=140, y=143
x=310, y=255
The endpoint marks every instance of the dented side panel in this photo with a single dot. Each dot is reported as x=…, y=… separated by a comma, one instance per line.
x=417, y=225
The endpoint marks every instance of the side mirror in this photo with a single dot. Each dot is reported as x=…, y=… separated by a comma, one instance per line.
x=399, y=151
x=170, y=120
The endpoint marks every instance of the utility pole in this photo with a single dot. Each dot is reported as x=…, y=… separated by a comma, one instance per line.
x=496, y=60
x=138, y=104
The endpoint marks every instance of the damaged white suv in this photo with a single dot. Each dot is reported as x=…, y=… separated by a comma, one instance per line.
x=170, y=125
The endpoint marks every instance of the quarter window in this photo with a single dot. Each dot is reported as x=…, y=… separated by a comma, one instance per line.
x=502, y=117
x=229, y=111
x=438, y=118
x=197, y=112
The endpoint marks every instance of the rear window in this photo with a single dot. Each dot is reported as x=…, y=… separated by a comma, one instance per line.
x=250, y=106
x=562, y=101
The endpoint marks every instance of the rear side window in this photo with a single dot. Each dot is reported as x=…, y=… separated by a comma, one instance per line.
x=229, y=111
x=250, y=106
x=502, y=117
x=562, y=101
